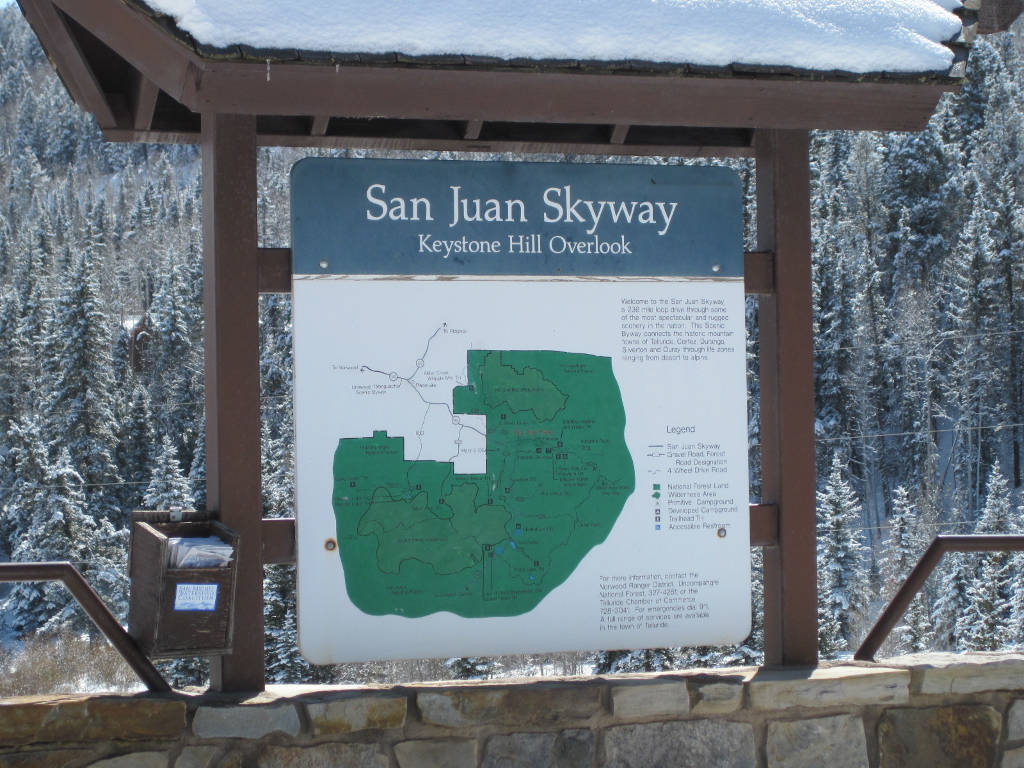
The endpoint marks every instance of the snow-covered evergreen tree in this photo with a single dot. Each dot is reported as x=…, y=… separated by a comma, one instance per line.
x=843, y=589
x=82, y=406
x=56, y=527
x=985, y=622
x=903, y=550
x=168, y=487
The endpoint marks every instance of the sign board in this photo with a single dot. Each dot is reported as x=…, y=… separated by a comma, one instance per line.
x=520, y=408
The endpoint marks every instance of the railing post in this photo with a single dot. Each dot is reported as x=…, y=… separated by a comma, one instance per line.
x=787, y=396
x=231, y=307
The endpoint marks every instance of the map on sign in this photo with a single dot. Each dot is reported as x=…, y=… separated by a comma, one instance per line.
x=520, y=408
x=417, y=537
x=488, y=466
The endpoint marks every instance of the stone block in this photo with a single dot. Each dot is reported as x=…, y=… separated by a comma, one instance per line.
x=134, y=760
x=684, y=743
x=1013, y=758
x=1015, y=721
x=952, y=673
x=436, y=754
x=37, y=720
x=324, y=756
x=461, y=707
x=196, y=757
x=939, y=737
x=640, y=699
x=48, y=758
x=717, y=698
x=515, y=705
x=836, y=742
x=356, y=714
x=246, y=721
x=568, y=749
x=232, y=759
x=829, y=687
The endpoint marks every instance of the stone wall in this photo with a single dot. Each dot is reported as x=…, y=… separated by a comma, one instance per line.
x=933, y=711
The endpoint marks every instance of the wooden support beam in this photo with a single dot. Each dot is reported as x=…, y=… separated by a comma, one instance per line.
x=135, y=37
x=787, y=397
x=67, y=57
x=619, y=134
x=319, y=127
x=275, y=265
x=146, y=93
x=759, y=272
x=231, y=308
x=279, y=534
x=278, y=540
x=471, y=132
x=764, y=525
x=559, y=97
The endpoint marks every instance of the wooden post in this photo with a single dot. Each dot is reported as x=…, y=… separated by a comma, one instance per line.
x=787, y=397
x=231, y=307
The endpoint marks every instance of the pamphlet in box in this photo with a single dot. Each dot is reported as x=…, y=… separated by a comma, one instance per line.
x=182, y=585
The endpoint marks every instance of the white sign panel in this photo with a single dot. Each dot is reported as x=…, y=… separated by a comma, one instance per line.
x=503, y=465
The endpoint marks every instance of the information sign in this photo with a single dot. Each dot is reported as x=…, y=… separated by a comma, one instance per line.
x=510, y=450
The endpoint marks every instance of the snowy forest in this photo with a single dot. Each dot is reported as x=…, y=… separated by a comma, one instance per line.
x=919, y=311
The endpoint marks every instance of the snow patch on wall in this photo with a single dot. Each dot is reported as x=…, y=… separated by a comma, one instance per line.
x=848, y=35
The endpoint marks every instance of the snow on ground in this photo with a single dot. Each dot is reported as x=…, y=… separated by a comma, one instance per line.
x=849, y=35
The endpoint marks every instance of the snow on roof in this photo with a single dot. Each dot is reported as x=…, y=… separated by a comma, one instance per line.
x=847, y=35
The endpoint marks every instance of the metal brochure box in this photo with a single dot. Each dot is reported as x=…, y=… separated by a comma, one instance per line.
x=177, y=612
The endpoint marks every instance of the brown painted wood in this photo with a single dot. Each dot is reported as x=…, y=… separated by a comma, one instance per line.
x=275, y=265
x=997, y=15
x=759, y=272
x=95, y=608
x=160, y=630
x=557, y=97
x=231, y=306
x=341, y=141
x=279, y=540
x=319, y=126
x=68, y=59
x=787, y=397
x=764, y=525
x=145, y=104
x=279, y=534
x=917, y=577
x=135, y=37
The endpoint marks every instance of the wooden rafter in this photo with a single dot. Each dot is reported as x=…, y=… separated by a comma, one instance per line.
x=68, y=59
x=146, y=94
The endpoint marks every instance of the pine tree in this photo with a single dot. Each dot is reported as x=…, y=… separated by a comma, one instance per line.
x=842, y=576
x=172, y=359
x=902, y=553
x=640, y=660
x=985, y=622
x=56, y=527
x=956, y=577
x=168, y=487
x=471, y=667
x=135, y=450
x=82, y=406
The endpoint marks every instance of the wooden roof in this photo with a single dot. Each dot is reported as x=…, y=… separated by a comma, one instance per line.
x=146, y=80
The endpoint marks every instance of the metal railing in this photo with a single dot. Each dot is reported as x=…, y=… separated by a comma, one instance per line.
x=94, y=606
x=919, y=575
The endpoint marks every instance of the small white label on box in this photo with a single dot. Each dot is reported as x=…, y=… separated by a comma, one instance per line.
x=195, y=597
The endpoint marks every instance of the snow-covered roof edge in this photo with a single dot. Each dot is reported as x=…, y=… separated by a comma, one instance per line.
x=861, y=39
